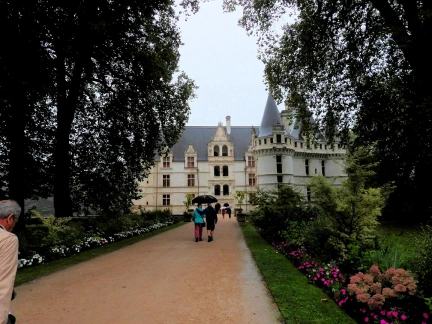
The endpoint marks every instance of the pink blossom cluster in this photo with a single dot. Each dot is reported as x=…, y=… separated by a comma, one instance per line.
x=326, y=275
x=281, y=247
x=375, y=287
x=383, y=316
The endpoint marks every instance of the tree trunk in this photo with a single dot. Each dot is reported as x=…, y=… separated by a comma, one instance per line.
x=17, y=174
x=66, y=106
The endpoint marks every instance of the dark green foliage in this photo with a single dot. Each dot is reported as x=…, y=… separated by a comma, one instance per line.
x=89, y=93
x=281, y=214
x=361, y=64
x=349, y=213
x=47, y=232
x=423, y=261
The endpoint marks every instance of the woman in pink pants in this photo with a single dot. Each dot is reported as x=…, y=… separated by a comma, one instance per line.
x=198, y=218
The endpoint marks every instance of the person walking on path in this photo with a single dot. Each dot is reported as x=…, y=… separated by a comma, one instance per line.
x=198, y=219
x=211, y=219
x=9, y=213
x=217, y=208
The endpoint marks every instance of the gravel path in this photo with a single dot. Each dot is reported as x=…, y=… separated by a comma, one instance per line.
x=165, y=279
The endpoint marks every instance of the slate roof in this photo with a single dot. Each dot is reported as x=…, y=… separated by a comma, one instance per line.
x=200, y=136
x=270, y=117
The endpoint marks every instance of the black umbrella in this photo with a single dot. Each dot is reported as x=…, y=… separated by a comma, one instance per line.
x=204, y=199
x=226, y=204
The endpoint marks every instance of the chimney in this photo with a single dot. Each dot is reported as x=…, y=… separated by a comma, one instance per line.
x=228, y=125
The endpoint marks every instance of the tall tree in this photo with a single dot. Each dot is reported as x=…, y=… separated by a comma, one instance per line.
x=113, y=92
x=356, y=63
x=25, y=128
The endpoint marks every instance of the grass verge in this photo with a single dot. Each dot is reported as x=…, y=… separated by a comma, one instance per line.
x=298, y=300
x=33, y=273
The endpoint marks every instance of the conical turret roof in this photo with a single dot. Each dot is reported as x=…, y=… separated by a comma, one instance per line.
x=270, y=117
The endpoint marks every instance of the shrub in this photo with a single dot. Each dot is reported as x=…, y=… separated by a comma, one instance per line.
x=386, y=297
x=350, y=213
x=281, y=215
x=52, y=231
x=385, y=256
x=422, y=263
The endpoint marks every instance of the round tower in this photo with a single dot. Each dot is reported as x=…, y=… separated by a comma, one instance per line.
x=272, y=152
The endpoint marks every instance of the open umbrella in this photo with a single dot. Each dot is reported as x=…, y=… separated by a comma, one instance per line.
x=204, y=199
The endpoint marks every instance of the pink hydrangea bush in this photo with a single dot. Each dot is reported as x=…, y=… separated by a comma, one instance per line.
x=386, y=297
x=374, y=297
x=375, y=288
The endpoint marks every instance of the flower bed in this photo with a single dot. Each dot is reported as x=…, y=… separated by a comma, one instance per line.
x=388, y=297
x=90, y=242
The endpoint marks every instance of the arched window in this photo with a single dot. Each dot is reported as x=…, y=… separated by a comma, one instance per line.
x=217, y=171
x=224, y=150
x=225, y=190
x=225, y=171
x=217, y=190
x=216, y=150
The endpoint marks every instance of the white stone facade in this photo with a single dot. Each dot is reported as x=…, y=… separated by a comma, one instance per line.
x=220, y=160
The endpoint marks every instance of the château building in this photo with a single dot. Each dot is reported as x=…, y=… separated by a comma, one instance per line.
x=219, y=160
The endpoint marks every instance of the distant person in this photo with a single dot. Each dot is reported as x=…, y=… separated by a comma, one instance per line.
x=211, y=218
x=198, y=219
x=228, y=210
x=217, y=207
x=9, y=213
x=223, y=213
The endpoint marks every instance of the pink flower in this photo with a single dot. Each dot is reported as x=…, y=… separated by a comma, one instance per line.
x=375, y=271
x=426, y=315
x=368, y=278
x=363, y=298
x=355, y=279
x=367, y=319
x=403, y=317
x=343, y=291
x=383, y=322
x=383, y=312
x=395, y=314
x=388, y=292
x=400, y=288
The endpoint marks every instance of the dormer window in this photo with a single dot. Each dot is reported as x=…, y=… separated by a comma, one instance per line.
x=251, y=161
x=216, y=150
x=166, y=162
x=190, y=162
x=278, y=138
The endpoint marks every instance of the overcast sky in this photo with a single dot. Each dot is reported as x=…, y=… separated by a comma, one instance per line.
x=222, y=60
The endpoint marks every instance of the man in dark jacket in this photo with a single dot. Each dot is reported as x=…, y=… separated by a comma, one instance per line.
x=211, y=218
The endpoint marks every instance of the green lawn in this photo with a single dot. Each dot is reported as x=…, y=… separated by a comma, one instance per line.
x=298, y=301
